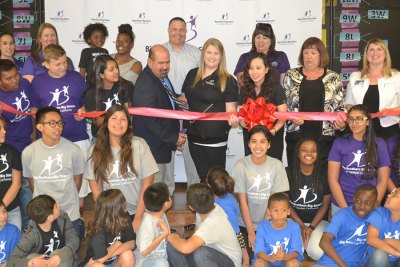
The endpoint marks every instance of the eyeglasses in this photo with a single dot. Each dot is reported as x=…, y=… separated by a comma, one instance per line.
x=356, y=120
x=53, y=124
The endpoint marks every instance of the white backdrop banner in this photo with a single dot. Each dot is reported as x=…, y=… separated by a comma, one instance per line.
x=231, y=21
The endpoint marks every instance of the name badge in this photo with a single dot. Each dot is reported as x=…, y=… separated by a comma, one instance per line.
x=359, y=82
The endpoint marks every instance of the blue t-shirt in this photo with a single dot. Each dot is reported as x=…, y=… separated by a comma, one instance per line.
x=19, y=127
x=268, y=240
x=350, y=233
x=381, y=219
x=9, y=238
x=350, y=153
x=231, y=207
x=66, y=94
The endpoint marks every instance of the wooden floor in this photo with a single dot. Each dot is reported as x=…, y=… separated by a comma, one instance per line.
x=178, y=217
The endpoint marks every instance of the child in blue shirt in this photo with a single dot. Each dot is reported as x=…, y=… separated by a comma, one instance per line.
x=344, y=240
x=9, y=235
x=383, y=235
x=278, y=240
x=223, y=186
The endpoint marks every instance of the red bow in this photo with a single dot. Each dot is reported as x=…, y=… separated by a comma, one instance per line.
x=258, y=112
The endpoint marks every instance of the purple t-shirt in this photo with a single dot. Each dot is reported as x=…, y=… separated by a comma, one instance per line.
x=391, y=144
x=19, y=65
x=277, y=59
x=66, y=94
x=350, y=153
x=19, y=128
x=31, y=68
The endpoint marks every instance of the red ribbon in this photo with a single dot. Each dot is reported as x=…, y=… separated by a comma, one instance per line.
x=220, y=116
x=258, y=112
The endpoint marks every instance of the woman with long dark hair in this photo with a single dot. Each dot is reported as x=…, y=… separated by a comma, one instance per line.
x=357, y=158
x=106, y=88
x=112, y=239
x=309, y=196
x=7, y=50
x=258, y=81
x=120, y=160
x=257, y=176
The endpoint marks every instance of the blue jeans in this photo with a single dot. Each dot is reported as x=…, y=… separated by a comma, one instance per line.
x=79, y=226
x=380, y=258
x=25, y=195
x=202, y=257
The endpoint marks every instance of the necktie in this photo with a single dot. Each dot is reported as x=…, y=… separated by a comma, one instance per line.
x=173, y=95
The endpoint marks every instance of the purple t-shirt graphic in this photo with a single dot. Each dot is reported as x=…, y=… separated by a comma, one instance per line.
x=351, y=155
x=19, y=128
x=66, y=94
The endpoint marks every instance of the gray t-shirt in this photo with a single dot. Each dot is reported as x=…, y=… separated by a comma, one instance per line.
x=53, y=170
x=259, y=182
x=217, y=233
x=148, y=231
x=130, y=186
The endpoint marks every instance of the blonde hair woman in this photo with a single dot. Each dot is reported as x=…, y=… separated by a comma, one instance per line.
x=209, y=88
x=376, y=86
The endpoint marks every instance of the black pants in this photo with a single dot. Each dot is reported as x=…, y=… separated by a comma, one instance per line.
x=276, y=148
x=205, y=157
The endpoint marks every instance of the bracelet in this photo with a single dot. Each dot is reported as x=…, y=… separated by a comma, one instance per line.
x=311, y=227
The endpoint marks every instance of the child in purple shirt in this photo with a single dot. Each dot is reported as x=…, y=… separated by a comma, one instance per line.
x=357, y=158
x=62, y=89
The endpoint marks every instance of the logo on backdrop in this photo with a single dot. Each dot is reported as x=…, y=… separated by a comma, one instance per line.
x=244, y=40
x=59, y=16
x=265, y=17
x=287, y=39
x=307, y=16
x=79, y=39
x=141, y=18
x=224, y=19
x=192, y=33
x=100, y=17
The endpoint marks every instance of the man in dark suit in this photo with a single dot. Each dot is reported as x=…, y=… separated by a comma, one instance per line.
x=162, y=135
